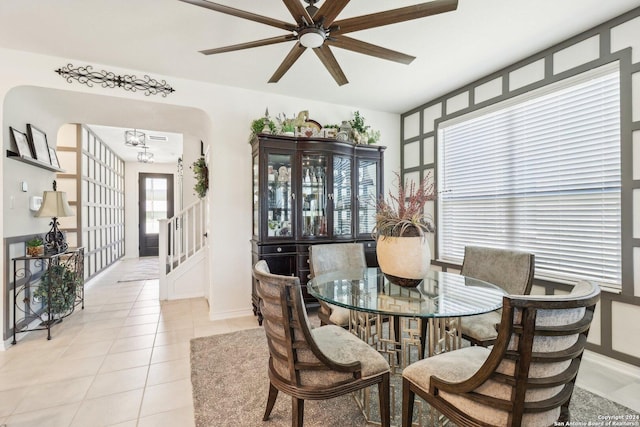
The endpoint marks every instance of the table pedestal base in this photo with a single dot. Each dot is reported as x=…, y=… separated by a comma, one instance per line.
x=402, y=340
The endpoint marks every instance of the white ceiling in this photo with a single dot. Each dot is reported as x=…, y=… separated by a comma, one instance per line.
x=163, y=151
x=164, y=36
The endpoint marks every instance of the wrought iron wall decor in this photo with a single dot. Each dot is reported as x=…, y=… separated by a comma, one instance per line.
x=87, y=76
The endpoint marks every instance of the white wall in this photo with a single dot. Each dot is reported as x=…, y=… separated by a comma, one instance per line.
x=218, y=115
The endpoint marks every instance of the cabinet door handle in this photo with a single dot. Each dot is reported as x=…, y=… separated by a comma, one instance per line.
x=293, y=196
x=279, y=249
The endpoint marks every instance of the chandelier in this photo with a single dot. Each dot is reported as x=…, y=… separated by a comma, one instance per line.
x=144, y=156
x=134, y=138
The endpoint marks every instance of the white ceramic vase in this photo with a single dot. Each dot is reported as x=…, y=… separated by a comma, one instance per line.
x=406, y=257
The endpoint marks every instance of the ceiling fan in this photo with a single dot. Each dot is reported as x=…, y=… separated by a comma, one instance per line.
x=318, y=29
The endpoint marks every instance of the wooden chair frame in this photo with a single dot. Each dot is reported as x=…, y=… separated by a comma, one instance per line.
x=526, y=330
x=297, y=338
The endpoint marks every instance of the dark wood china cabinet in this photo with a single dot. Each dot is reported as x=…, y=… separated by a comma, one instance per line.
x=308, y=191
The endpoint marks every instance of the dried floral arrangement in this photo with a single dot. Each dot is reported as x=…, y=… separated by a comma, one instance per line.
x=403, y=214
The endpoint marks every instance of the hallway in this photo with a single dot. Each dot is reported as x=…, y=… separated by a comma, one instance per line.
x=124, y=361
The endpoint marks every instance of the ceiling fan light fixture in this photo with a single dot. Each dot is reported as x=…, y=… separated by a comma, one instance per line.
x=145, y=156
x=134, y=138
x=312, y=37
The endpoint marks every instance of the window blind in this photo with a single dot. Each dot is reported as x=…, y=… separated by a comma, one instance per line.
x=542, y=175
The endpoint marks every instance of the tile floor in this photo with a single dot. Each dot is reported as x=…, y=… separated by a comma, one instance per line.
x=124, y=361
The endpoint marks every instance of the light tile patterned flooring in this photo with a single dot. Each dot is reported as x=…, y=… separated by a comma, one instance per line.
x=124, y=361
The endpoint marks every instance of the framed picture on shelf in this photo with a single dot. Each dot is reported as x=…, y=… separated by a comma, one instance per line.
x=21, y=142
x=54, y=157
x=38, y=141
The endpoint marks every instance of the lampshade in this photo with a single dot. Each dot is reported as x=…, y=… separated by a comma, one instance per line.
x=312, y=37
x=55, y=205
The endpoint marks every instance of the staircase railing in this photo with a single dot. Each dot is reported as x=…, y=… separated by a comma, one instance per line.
x=182, y=236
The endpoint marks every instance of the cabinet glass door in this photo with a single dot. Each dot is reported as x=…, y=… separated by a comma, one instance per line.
x=314, y=195
x=279, y=206
x=367, y=195
x=256, y=197
x=342, y=184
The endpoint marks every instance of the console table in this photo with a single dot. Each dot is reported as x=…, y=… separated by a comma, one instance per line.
x=46, y=289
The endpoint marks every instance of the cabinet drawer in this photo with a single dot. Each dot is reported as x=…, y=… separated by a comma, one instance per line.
x=278, y=249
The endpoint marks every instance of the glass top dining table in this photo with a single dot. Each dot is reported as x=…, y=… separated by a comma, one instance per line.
x=438, y=295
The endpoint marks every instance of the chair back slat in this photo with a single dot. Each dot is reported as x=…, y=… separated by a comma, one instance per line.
x=531, y=370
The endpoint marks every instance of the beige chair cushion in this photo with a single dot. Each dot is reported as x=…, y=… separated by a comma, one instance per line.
x=339, y=315
x=482, y=326
x=340, y=346
x=460, y=365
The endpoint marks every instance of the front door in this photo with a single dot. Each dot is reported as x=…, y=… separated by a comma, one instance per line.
x=156, y=202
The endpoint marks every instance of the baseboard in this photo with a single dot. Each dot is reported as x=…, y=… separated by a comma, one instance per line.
x=230, y=314
x=610, y=363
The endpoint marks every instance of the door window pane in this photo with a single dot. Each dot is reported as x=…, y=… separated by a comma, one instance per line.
x=156, y=203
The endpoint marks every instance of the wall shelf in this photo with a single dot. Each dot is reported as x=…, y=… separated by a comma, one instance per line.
x=28, y=160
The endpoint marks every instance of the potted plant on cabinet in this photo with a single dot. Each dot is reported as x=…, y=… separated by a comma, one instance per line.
x=401, y=232
x=35, y=247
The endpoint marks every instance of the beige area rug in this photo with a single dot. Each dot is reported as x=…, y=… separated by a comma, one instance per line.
x=145, y=268
x=230, y=387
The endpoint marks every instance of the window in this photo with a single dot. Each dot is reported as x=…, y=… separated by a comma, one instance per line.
x=540, y=174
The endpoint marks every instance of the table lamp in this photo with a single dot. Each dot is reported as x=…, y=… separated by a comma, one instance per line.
x=55, y=205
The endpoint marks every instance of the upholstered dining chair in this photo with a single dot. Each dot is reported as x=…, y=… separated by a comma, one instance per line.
x=527, y=378
x=319, y=363
x=509, y=269
x=328, y=257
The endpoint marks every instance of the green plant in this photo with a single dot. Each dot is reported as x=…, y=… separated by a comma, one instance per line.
x=257, y=126
x=201, y=171
x=372, y=136
x=285, y=124
x=60, y=283
x=357, y=123
x=35, y=242
x=288, y=127
x=402, y=214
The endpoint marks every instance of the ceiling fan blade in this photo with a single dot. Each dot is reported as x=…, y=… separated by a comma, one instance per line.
x=393, y=16
x=331, y=9
x=242, y=14
x=248, y=45
x=298, y=11
x=291, y=57
x=331, y=64
x=354, y=45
